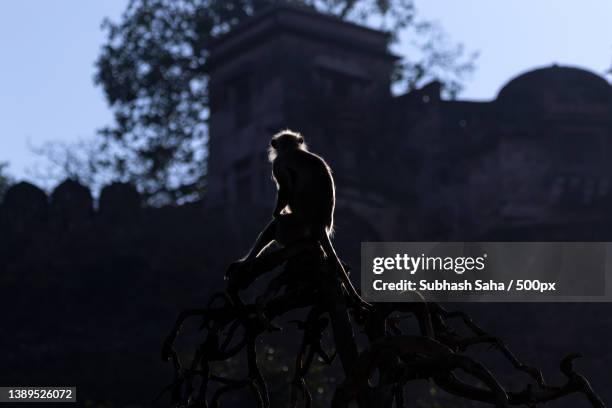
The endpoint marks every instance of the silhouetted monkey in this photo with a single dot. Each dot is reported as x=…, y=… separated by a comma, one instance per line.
x=305, y=202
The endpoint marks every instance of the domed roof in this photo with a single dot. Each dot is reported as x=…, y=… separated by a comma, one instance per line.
x=563, y=84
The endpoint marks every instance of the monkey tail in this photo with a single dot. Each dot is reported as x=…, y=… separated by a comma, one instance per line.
x=330, y=253
x=325, y=242
x=330, y=229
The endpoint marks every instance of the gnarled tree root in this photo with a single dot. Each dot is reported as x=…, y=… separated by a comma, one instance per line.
x=232, y=328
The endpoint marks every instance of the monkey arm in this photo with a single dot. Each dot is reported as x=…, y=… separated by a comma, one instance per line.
x=282, y=199
x=283, y=181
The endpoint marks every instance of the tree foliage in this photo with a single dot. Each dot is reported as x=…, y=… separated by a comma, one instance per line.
x=153, y=71
x=5, y=180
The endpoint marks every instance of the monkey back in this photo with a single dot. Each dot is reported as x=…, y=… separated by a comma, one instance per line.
x=312, y=190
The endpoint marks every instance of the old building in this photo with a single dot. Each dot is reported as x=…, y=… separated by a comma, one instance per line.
x=530, y=164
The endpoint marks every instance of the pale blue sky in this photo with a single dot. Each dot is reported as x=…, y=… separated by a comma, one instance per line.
x=49, y=48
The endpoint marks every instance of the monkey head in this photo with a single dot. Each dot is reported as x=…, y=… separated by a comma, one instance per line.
x=284, y=141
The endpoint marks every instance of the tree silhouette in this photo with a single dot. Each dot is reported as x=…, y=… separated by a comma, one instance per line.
x=153, y=69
